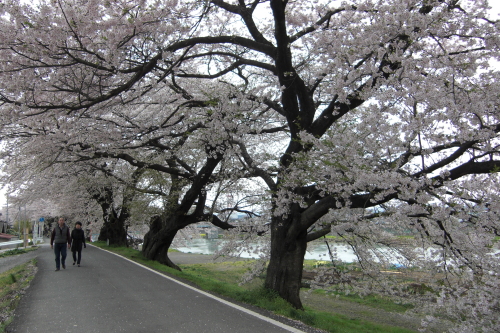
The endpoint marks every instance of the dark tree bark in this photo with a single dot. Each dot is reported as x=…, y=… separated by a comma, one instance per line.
x=114, y=231
x=158, y=239
x=284, y=272
x=164, y=228
x=114, y=227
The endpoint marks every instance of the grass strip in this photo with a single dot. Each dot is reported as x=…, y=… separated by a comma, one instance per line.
x=17, y=251
x=13, y=284
x=217, y=279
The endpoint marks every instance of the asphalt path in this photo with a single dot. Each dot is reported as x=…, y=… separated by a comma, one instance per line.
x=109, y=293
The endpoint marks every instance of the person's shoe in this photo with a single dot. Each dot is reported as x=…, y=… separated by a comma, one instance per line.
x=57, y=269
x=78, y=265
x=74, y=263
x=64, y=266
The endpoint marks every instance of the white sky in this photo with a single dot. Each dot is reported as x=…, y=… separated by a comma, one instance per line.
x=495, y=4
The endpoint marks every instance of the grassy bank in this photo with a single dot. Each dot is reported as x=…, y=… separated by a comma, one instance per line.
x=13, y=283
x=19, y=250
x=222, y=279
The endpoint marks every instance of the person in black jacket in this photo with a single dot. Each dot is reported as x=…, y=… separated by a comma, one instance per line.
x=77, y=240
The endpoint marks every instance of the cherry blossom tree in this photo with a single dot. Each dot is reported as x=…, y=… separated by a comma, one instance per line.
x=40, y=172
x=49, y=194
x=380, y=111
x=115, y=199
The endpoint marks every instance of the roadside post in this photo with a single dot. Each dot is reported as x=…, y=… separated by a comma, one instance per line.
x=35, y=232
x=39, y=232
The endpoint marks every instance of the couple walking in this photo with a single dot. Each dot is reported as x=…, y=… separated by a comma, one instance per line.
x=60, y=237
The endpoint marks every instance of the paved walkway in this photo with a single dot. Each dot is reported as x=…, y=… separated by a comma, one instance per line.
x=112, y=294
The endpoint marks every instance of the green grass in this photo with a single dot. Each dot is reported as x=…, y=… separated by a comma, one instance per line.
x=17, y=251
x=374, y=301
x=221, y=279
x=337, y=238
x=11, y=282
x=341, y=324
x=311, y=264
x=370, y=300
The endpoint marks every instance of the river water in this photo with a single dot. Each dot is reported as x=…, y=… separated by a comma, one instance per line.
x=315, y=251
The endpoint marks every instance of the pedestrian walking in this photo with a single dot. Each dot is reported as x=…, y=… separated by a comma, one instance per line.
x=77, y=241
x=58, y=239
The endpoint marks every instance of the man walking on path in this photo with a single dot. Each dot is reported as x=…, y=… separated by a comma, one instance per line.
x=58, y=239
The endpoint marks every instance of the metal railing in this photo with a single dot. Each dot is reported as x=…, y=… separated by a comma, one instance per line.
x=14, y=242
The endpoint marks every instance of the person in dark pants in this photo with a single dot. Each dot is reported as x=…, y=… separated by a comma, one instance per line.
x=58, y=239
x=77, y=240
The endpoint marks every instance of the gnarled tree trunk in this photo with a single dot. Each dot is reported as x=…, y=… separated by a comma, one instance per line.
x=163, y=229
x=115, y=232
x=158, y=239
x=284, y=272
x=114, y=228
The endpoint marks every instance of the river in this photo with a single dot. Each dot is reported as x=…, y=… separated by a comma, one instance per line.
x=315, y=251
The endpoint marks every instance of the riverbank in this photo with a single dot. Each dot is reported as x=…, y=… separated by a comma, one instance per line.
x=328, y=312
x=375, y=310
x=181, y=258
x=223, y=275
x=316, y=250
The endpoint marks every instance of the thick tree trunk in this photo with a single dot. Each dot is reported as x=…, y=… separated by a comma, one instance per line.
x=158, y=239
x=284, y=273
x=114, y=231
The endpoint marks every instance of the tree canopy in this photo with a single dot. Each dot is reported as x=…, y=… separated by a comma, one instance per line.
x=357, y=118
